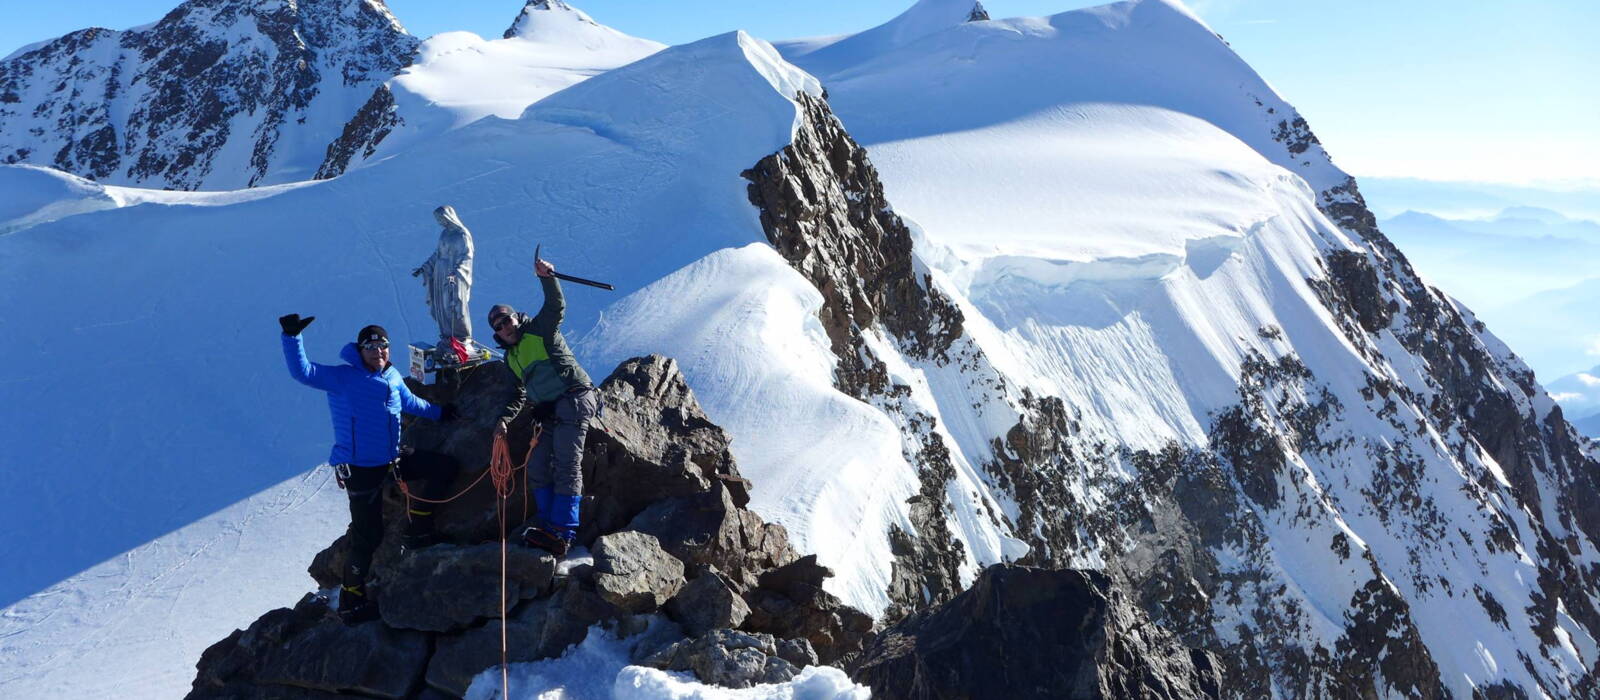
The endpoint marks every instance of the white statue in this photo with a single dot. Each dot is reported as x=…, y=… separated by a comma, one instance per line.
x=448, y=276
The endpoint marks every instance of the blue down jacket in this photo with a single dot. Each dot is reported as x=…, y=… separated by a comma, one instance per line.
x=366, y=405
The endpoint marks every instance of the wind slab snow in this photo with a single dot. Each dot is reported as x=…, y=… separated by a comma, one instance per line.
x=1126, y=215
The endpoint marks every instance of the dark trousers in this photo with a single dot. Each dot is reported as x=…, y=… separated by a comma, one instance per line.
x=557, y=461
x=555, y=468
x=428, y=474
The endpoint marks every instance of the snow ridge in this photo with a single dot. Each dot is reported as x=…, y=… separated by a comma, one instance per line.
x=459, y=78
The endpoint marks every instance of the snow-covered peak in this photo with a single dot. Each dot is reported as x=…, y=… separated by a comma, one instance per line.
x=924, y=18
x=1140, y=92
x=691, y=85
x=542, y=20
x=459, y=78
x=216, y=95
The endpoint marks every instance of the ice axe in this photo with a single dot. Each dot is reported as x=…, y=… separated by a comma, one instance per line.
x=570, y=278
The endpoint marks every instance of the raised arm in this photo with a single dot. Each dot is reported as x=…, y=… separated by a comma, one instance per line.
x=304, y=370
x=554, y=310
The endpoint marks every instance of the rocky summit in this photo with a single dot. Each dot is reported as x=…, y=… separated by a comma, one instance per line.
x=672, y=544
x=723, y=595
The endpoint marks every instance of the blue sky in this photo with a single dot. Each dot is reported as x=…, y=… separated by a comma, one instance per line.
x=1487, y=91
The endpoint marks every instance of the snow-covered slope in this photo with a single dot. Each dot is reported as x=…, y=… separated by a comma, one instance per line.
x=459, y=78
x=827, y=55
x=133, y=625
x=218, y=94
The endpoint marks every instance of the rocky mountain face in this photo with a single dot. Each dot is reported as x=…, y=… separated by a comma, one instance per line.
x=823, y=208
x=1195, y=533
x=1022, y=632
x=679, y=565
x=219, y=94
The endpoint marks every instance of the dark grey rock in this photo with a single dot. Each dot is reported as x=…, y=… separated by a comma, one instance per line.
x=652, y=442
x=249, y=691
x=306, y=652
x=448, y=587
x=368, y=658
x=362, y=134
x=726, y=658
x=633, y=572
x=835, y=630
x=823, y=207
x=229, y=667
x=708, y=603
x=797, y=579
x=797, y=652
x=708, y=530
x=1023, y=633
x=541, y=628
x=790, y=603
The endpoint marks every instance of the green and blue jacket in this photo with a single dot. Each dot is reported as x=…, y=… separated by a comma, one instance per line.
x=541, y=361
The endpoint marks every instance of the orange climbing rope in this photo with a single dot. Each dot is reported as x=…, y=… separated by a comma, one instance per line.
x=500, y=468
x=499, y=442
x=499, y=472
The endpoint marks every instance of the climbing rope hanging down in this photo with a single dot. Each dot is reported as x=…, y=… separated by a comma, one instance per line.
x=499, y=472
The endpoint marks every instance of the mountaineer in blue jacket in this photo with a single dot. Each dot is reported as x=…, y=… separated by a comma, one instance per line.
x=366, y=396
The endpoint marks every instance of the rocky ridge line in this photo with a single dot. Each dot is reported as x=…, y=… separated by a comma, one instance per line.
x=822, y=206
x=693, y=580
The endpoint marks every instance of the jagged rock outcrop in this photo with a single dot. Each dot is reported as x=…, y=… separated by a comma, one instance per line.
x=708, y=603
x=360, y=136
x=735, y=659
x=306, y=652
x=633, y=572
x=1030, y=633
x=447, y=587
x=822, y=206
x=696, y=557
x=218, y=94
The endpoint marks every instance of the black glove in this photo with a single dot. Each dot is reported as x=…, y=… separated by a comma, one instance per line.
x=447, y=412
x=293, y=324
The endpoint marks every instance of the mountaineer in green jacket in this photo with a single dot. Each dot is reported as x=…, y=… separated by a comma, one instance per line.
x=562, y=399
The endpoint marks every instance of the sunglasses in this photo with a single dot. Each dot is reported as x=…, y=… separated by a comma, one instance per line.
x=375, y=345
x=500, y=323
